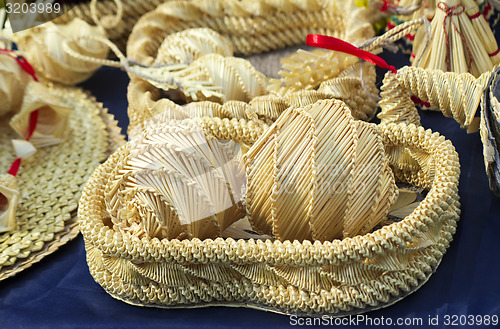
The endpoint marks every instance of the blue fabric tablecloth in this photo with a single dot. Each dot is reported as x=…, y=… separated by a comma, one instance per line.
x=59, y=292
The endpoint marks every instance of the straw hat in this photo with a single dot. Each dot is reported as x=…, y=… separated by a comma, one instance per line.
x=73, y=134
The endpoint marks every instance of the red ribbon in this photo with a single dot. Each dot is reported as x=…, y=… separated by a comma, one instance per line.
x=17, y=163
x=21, y=61
x=14, y=168
x=327, y=42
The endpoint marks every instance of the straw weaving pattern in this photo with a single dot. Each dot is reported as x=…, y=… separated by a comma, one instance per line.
x=251, y=26
x=338, y=277
x=396, y=105
x=132, y=11
x=203, y=34
x=13, y=81
x=55, y=183
x=43, y=46
x=318, y=175
x=456, y=95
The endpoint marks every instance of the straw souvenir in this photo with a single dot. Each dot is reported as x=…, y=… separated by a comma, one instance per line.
x=456, y=95
x=143, y=247
x=402, y=11
x=43, y=47
x=460, y=40
x=72, y=134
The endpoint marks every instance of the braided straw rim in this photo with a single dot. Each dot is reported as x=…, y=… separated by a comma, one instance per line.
x=85, y=108
x=432, y=223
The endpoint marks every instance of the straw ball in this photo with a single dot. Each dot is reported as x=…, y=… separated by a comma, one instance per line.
x=317, y=174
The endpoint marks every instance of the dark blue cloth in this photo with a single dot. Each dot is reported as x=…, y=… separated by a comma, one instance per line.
x=59, y=292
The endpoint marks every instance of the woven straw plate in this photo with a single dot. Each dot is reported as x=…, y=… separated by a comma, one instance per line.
x=51, y=181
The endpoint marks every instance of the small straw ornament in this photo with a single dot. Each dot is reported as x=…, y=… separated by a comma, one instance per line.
x=52, y=116
x=460, y=40
x=13, y=81
x=43, y=47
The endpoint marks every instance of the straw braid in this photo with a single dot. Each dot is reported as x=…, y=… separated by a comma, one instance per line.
x=396, y=105
x=456, y=95
x=328, y=277
x=392, y=35
x=252, y=26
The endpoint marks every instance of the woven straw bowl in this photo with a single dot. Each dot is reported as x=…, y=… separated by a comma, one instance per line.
x=341, y=277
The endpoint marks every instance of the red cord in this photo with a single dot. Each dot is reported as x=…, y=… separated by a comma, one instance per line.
x=14, y=168
x=327, y=42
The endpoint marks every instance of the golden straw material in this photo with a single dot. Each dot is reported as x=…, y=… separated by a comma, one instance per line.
x=308, y=69
x=253, y=26
x=173, y=183
x=119, y=26
x=205, y=25
x=224, y=79
x=396, y=105
x=305, y=174
x=52, y=117
x=43, y=46
x=186, y=46
x=13, y=81
x=9, y=198
x=50, y=181
x=456, y=95
x=338, y=277
x=460, y=40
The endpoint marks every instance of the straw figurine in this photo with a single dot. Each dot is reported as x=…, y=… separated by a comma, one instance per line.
x=126, y=224
x=460, y=40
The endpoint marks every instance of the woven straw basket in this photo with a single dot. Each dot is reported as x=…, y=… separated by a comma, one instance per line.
x=338, y=277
